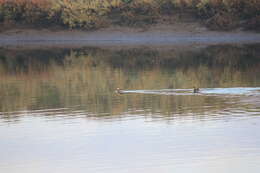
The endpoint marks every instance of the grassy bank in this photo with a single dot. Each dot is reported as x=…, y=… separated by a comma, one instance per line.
x=94, y=14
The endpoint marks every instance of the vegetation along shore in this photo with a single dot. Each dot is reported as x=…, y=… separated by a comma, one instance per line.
x=95, y=14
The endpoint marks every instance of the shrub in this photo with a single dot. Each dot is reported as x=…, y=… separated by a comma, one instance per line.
x=82, y=13
x=133, y=12
x=91, y=14
x=245, y=9
x=225, y=14
x=209, y=8
x=26, y=11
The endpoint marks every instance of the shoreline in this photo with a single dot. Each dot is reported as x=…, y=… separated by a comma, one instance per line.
x=157, y=35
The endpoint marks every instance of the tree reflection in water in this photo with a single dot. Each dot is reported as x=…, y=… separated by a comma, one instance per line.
x=85, y=79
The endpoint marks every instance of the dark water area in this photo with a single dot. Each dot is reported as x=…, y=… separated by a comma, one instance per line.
x=59, y=111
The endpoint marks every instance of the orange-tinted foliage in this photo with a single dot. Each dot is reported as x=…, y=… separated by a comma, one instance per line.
x=92, y=14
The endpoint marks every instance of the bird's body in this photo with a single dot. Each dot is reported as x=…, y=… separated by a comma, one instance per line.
x=119, y=91
x=196, y=90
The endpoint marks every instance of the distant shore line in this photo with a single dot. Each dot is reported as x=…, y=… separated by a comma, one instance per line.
x=156, y=35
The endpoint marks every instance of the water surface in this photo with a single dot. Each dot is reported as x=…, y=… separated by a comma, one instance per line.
x=59, y=111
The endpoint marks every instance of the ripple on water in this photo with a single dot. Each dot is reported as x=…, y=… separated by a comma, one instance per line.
x=203, y=91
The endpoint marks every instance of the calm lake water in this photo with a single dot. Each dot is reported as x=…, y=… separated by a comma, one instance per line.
x=59, y=111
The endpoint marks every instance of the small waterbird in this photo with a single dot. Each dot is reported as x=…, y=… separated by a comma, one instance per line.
x=119, y=91
x=196, y=90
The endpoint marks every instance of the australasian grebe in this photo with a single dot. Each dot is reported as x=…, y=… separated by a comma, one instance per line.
x=196, y=89
x=119, y=91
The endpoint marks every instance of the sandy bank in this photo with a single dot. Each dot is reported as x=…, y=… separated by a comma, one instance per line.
x=157, y=35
